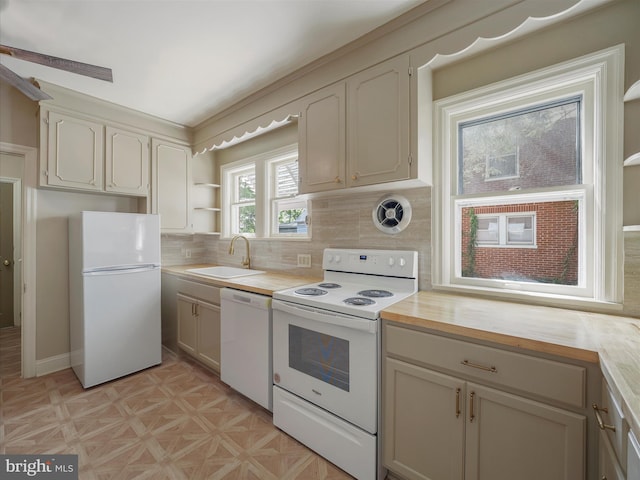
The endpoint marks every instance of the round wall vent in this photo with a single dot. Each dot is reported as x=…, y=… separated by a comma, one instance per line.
x=392, y=214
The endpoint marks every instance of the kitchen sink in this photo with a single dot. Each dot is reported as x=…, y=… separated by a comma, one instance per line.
x=224, y=272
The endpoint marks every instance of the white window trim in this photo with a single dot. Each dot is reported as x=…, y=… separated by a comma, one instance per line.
x=599, y=79
x=264, y=188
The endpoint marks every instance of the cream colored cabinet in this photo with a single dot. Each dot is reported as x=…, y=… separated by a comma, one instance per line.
x=171, y=185
x=199, y=330
x=322, y=140
x=440, y=426
x=74, y=152
x=378, y=124
x=356, y=133
x=633, y=457
x=614, y=431
x=126, y=162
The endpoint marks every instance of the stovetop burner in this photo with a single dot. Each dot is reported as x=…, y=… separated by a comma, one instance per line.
x=359, y=301
x=329, y=285
x=375, y=293
x=310, y=292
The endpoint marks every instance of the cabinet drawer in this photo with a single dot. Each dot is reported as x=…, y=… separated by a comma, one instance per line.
x=546, y=378
x=615, y=426
x=202, y=291
x=633, y=458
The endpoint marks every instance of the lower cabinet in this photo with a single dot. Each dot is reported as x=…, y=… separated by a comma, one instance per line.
x=443, y=427
x=199, y=330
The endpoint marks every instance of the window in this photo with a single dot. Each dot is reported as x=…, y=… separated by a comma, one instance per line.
x=259, y=196
x=524, y=171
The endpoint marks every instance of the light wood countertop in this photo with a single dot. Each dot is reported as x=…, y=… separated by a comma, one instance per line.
x=263, y=283
x=611, y=341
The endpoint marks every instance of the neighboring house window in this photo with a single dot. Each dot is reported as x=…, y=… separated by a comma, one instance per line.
x=259, y=196
x=524, y=172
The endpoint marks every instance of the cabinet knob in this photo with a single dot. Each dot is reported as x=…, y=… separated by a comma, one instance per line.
x=354, y=176
x=337, y=180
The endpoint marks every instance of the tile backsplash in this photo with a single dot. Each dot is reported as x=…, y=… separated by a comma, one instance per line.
x=343, y=221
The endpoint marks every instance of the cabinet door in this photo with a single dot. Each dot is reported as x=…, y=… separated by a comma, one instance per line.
x=171, y=188
x=424, y=422
x=608, y=466
x=322, y=150
x=209, y=334
x=509, y=437
x=75, y=153
x=378, y=124
x=126, y=162
x=187, y=324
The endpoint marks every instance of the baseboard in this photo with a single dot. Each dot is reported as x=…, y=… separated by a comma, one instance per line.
x=52, y=364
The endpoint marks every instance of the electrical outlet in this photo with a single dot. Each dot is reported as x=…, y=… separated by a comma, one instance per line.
x=187, y=253
x=304, y=260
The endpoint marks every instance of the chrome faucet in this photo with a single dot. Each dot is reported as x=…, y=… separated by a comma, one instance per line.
x=246, y=261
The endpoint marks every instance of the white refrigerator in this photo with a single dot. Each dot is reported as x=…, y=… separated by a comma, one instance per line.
x=114, y=294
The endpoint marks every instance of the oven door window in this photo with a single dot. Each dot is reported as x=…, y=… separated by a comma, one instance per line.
x=319, y=355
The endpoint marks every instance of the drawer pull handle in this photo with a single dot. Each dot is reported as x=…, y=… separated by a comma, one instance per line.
x=467, y=363
x=457, y=402
x=472, y=415
x=601, y=424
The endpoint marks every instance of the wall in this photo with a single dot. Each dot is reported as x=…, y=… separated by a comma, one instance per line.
x=18, y=117
x=52, y=260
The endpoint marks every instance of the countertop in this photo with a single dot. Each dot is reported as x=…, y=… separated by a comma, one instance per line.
x=263, y=283
x=611, y=341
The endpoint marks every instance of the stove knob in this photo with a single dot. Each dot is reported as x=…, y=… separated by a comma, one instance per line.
x=329, y=258
x=391, y=261
x=403, y=262
x=337, y=258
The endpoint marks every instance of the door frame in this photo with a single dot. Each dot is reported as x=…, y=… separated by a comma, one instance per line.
x=28, y=287
x=16, y=219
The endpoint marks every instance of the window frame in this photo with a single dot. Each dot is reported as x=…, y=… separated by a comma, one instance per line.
x=264, y=164
x=598, y=79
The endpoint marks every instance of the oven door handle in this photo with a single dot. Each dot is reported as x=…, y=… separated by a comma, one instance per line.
x=325, y=316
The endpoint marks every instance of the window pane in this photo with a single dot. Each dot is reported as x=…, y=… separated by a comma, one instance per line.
x=286, y=179
x=246, y=186
x=532, y=148
x=244, y=219
x=520, y=230
x=488, y=230
x=291, y=220
x=554, y=259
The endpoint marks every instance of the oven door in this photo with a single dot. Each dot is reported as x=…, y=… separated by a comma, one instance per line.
x=329, y=359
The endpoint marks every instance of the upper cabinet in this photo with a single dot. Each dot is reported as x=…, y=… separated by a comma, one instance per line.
x=378, y=124
x=126, y=162
x=356, y=133
x=74, y=157
x=171, y=185
x=322, y=140
x=82, y=153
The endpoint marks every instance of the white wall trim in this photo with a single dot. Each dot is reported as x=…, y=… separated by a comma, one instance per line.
x=29, y=198
x=53, y=364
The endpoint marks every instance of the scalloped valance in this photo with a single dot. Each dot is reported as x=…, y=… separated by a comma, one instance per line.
x=241, y=133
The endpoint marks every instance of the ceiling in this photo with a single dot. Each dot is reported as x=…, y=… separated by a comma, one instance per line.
x=184, y=60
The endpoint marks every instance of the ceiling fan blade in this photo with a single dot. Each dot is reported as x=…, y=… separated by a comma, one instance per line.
x=101, y=73
x=22, y=84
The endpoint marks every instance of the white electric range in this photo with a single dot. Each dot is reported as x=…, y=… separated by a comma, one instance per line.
x=326, y=354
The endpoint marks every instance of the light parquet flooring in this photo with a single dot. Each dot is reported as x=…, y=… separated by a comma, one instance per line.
x=174, y=421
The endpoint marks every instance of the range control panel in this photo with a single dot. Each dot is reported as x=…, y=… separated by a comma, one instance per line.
x=397, y=263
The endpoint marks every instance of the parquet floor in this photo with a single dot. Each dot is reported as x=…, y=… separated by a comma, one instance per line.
x=174, y=421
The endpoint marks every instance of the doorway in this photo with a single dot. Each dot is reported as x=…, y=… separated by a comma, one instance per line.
x=18, y=179
x=10, y=299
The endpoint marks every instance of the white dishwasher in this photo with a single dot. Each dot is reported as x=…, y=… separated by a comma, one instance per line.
x=245, y=348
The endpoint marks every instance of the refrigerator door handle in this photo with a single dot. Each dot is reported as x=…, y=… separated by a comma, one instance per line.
x=121, y=270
